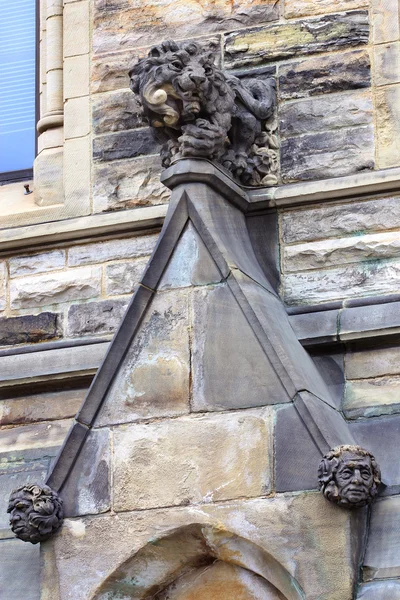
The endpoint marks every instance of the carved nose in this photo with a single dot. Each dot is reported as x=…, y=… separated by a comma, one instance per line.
x=197, y=78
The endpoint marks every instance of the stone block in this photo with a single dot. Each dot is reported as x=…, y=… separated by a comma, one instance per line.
x=36, y=263
x=29, y=329
x=32, y=437
x=372, y=397
x=324, y=74
x=64, y=286
x=243, y=377
x=387, y=64
x=76, y=30
x=24, y=560
x=328, y=154
x=331, y=368
x=154, y=378
x=116, y=111
x=253, y=47
x=110, y=71
x=325, y=113
x=339, y=220
x=315, y=327
x=373, y=363
x=77, y=171
x=134, y=247
x=125, y=144
x=388, y=126
x=48, y=177
x=308, y=8
x=335, y=252
x=385, y=21
x=3, y=284
x=191, y=459
x=366, y=321
x=76, y=76
x=366, y=279
x=380, y=590
x=173, y=19
x=77, y=117
x=95, y=317
x=122, y=278
x=382, y=558
x=128, y=184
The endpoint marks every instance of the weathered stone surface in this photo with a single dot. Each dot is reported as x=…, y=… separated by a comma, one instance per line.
x=190, y=263
x=122, y=278
x=3, y=280
x=383, y=548
x=387, y=64
x=372, y=397
x=272, y=42
x=385, y=21
x=326, y=113
x=40, y=435
x=191, y=459
x=116, y=111
x=307, y=8
x=331, y=367
x=369, y=320
x=76, y=34
x=328, y=154
x=128, y=184
x=297, y=530
x=29, y=329
x=95, y=317
x=334, y=252
x=87, y=490
x=366, y=279
x=241, y=378
x=138, y=245
x=153, y=379
x=42, y=290
x=17, y=582
x=316, y=327
x=373, y=363
x=125, y=144
x=388, y=126
x=380, y=590
x=172, y=19
x=41, y=407
x=324, y=74
x=335, y=220
x=36, y=263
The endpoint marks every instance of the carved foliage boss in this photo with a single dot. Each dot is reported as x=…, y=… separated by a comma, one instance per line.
x=197, y=110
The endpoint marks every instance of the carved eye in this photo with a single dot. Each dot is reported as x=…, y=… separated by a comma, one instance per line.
x=176, y=65
x=365, y=473
x=346, y=474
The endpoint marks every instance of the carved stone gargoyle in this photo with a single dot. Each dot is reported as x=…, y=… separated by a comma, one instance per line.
x=197, y=110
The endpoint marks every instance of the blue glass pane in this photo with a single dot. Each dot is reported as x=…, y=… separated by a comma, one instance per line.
x=17, y=84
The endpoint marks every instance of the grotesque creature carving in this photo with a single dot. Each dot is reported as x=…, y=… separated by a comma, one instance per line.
x=196, y=110
x=36, y=513
x=349, y=476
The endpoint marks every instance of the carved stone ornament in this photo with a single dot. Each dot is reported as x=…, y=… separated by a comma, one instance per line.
x=197, y=110
x=349, y=476
x=36, y=513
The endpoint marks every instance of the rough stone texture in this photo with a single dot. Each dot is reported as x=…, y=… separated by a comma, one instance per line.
x=372, y=397
x=153, y=379
x=110, y=71
x=116, y=111
x=3, y=280
x=172, y=19
x=306, y=8
x=128, y=184
x=385, y=20
x=388, y=126
x=296, y=530
x=366, y=279
x=328, y=154
x=139, y=245
x=42, y=290
x=324, y=74
x=334, y=252
x=373, y=363
x=383, y=548
x=36, y=263
x=380, y=590
x=387, y=64
x=242, y=378
x=122, y=278
x=41, y=407
x=41, y=435
x=29, y=329
x=273, y=42
x=21, y=559
x=95, y=317
x=326, y=113
x=125, y=144
x=338, y=220
x=195, y=459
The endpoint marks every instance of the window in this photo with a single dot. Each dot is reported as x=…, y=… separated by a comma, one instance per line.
x=17, y=88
